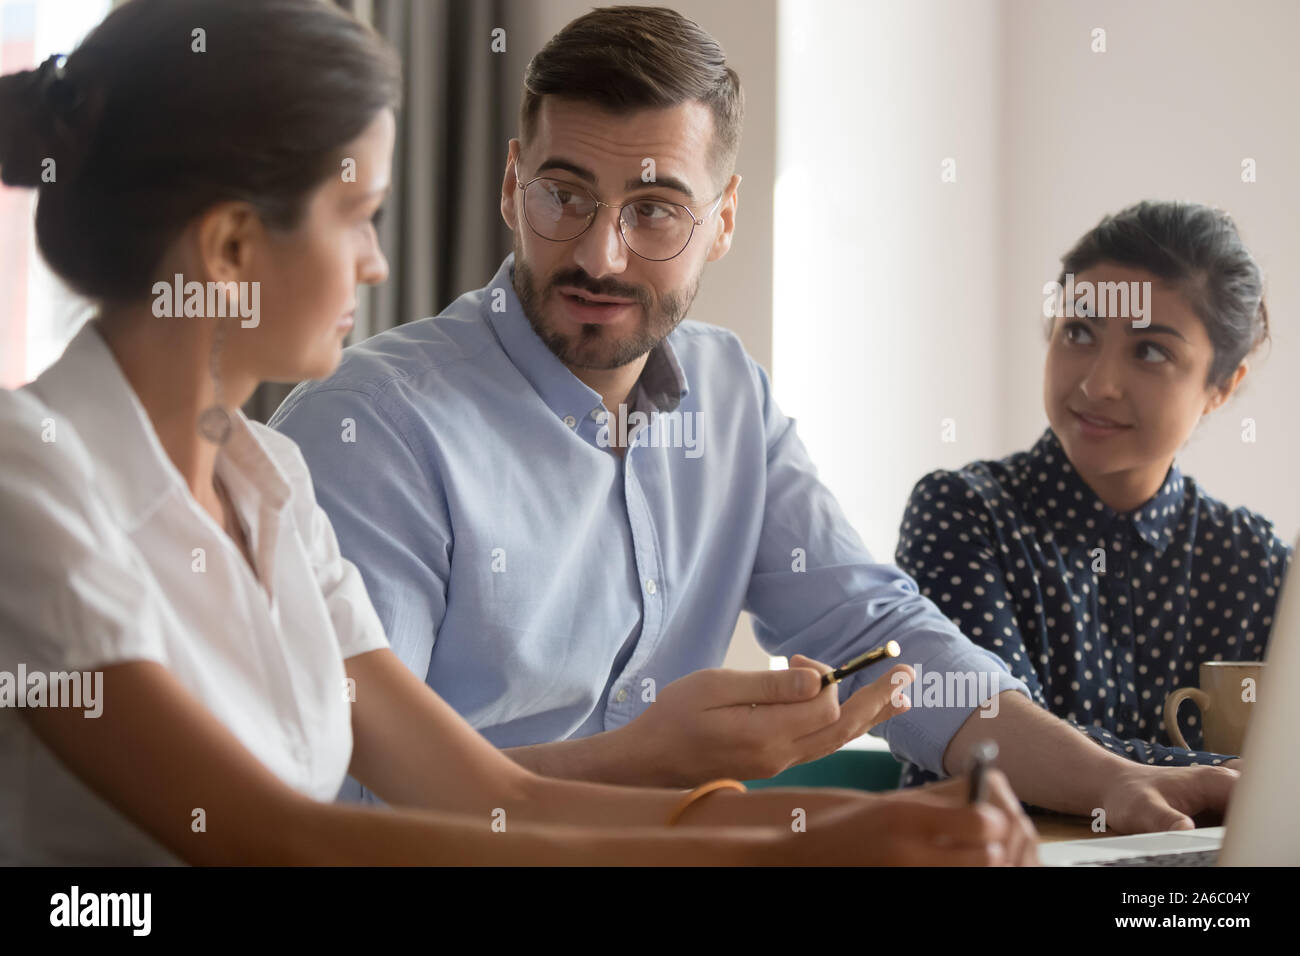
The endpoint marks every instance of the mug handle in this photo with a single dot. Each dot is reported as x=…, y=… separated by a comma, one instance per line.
x=1199, y=697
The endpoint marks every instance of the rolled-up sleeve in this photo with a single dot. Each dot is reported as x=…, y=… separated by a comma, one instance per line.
x=817, y=591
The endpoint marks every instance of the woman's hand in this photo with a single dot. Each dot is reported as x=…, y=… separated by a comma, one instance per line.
x=925, y=826
x=1145, y=799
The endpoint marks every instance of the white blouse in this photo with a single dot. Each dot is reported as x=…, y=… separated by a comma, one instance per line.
x=107, y=557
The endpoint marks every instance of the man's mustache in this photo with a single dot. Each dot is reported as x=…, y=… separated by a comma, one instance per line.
x=595, y=288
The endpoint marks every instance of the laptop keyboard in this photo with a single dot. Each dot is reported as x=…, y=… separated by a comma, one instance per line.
x=1188, y=858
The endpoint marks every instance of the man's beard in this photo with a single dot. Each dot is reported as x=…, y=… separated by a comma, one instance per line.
x=591, y=347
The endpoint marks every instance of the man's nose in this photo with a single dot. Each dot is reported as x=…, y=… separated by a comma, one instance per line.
x=601, y=250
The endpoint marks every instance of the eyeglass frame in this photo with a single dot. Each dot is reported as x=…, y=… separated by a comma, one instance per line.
x=695, y=220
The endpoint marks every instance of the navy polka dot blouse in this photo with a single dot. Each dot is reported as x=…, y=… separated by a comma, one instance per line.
x=1100, y=613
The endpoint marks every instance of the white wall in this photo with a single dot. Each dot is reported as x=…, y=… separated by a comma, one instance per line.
x=886, y=281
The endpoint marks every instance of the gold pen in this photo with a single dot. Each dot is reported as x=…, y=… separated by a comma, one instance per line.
x=890, y=649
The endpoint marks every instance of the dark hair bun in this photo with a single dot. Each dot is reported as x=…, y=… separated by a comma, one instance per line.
x=147, y=130
x=44, y=115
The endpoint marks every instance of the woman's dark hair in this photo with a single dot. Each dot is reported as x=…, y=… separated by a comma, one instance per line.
x=631, y=58
x=171, y=106
x=1196, y=248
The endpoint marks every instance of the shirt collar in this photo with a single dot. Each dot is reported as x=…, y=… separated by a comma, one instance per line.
x=662, y=380
x=1068, y=500
x=133, y=471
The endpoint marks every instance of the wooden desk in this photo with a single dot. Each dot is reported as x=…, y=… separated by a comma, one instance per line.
x=1054, y=827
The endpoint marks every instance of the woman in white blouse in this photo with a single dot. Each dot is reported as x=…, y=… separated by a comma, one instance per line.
x=157, y=541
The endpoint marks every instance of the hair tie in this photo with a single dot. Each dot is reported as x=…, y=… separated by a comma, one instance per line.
x=56, y=91
x=57, y=117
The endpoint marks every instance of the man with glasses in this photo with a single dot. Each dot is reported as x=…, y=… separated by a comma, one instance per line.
x=571, y=589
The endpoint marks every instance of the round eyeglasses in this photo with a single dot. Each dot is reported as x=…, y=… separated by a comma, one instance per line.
x=654, y=229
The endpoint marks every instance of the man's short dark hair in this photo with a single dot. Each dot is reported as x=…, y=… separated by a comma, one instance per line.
x=625, y=59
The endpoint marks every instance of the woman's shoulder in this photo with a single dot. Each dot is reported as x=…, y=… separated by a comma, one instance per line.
x=48, y=470
x=284, y=451
x=1245, y=533
x=991, y=483
x=288, y=457
x=73, y=593
x=311, y=520
x=33, y=434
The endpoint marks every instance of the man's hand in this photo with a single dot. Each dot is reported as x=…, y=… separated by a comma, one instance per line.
x=1145, y=799
x=924, y=826
x=753, y=724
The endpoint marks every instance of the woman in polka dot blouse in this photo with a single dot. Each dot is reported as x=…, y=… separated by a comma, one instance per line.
x=1090, y=563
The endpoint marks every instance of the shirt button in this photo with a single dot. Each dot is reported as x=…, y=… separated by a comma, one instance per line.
x=621, y=695
x=570, y=420
x=598, y=415
x=650, y=586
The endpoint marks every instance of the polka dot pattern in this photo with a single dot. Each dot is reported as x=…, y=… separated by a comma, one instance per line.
x=1100, y=613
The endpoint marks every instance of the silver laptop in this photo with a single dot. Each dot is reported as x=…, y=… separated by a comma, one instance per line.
x=1260, y=829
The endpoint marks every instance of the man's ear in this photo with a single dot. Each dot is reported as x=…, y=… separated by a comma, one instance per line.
x=1224, y=392
x=727, y=221
x=225, y=235
x=508, y=186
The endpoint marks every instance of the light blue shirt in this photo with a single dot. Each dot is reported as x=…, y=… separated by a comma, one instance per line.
x=546, y=587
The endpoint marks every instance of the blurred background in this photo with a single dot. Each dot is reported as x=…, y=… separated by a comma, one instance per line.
x=913, y=170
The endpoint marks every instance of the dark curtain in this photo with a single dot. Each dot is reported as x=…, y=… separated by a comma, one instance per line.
x=442, y=229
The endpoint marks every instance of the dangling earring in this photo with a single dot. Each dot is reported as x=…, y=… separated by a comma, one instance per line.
x=214, y=421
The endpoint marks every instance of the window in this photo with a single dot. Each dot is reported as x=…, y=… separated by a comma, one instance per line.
x=38, y=314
